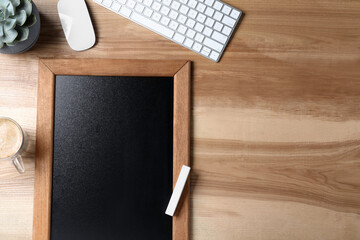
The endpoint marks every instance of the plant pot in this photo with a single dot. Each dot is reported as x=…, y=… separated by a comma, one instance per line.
x=32, y=39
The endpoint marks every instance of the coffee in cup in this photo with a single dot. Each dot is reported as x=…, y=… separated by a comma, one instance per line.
x=10, y=138
x=12, y=142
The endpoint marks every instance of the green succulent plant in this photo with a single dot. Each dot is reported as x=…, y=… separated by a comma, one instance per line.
x=15, y=20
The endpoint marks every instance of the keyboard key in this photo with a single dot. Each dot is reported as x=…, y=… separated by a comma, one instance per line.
x=165, y=10
x=156, y=16
x=199, y=37
x=207, y=31
x=166, y=2
x=125, y=11
x=209, y=2
x=131, y=3
x=201, y=7
x=173, y=14
x=184, y=9
x=214, y=55
x=235, y=13
x=192, y=13
x=213, y=44
x=206, y=51
x=229, y=21
x=148, y=2
x=173, y=25
x=209, y=12
x=164, y=20
x=156, y=6
x=179, y=38
x=226, y=30
x=190, y=23
x=139, y=8
x=148, y=12
x=192, y=3
x=226, y=10
x=175, y=5
x=218, y=16
x=182, y=19
x=184, y=1
x=199, y=27
x=152, y=25
x=209, y=22
x=201, y=18
x=182, y=29
x=219, y=37
x=197, y=47
x=122, y=1
x=218, y=5
x=188, y=42
x=218, y=26
x=107, y=3
x=115, y=6
x=190, y=33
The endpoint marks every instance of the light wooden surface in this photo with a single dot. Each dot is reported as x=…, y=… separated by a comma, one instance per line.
x=49, y=68
x=275, y=124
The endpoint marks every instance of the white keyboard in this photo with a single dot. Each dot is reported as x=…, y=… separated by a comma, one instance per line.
x=203, y=26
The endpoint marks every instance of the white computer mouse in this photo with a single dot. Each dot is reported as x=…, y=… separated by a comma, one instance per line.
x=76, y=23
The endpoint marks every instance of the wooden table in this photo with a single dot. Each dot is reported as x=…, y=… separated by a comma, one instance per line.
x=275, y=124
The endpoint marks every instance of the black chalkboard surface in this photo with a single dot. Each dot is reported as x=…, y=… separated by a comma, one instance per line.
x=112, y=160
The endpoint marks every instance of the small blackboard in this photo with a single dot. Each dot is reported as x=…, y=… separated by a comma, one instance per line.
x=112, y=166
x=110, y=145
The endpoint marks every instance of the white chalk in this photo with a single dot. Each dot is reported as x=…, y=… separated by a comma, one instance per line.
x=179, y=187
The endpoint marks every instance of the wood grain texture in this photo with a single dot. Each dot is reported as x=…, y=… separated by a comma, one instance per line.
x=49, y=68
x=181, y=152
x=113, y=67
x=275, y=124
x=44, y=153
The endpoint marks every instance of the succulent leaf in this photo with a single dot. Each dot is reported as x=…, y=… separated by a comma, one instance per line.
x=23, y=33
x=4, y=3
x=12, y=43
x=30, y=21
x=6, y=13
x=15, y=2
x=11, y=9
x=1, y=43
x=1, y=31
x=25, y=5
x=20, y=17
x=9, y=24
x=9, y=36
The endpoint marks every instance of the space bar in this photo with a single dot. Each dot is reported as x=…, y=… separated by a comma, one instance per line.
x=152, y=25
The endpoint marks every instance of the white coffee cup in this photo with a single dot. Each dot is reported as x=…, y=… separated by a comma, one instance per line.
x=13, y=141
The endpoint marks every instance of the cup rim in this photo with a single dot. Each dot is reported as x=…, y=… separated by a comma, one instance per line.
x=22, y=137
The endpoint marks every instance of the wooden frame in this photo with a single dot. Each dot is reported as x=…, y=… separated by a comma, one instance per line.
x=49, y=68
